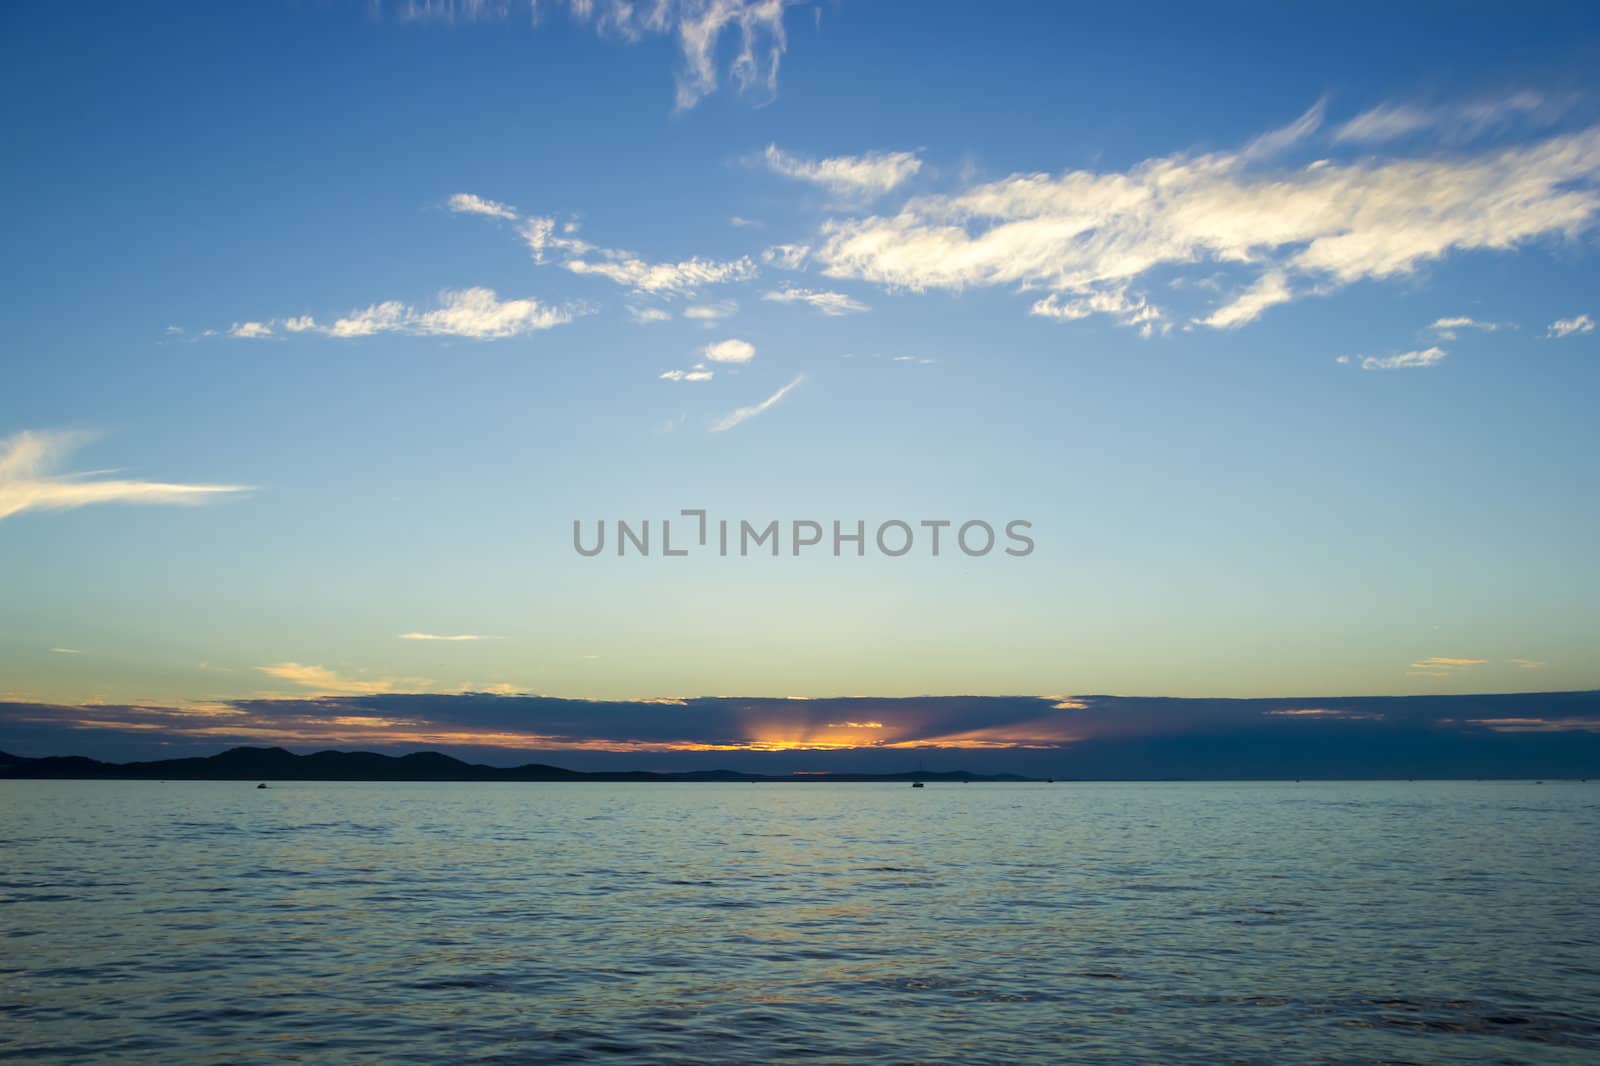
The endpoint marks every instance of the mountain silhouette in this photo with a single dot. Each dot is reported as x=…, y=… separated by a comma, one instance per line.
x=278, y=764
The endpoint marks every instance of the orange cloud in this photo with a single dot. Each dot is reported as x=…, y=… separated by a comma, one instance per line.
x=1539, y=725
x=327, y=682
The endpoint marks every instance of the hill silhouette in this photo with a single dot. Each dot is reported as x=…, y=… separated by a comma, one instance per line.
x=279, y=764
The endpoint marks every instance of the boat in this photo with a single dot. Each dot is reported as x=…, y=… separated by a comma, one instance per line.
x=262, y=785
x=916, y=784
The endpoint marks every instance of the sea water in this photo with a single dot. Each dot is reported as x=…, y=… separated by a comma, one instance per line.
x=214, y=922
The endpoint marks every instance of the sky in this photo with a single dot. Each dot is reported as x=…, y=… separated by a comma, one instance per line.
x=1275, y=330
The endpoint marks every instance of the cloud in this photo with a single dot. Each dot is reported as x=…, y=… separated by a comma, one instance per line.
x=1441, y=666
x=681, y=278
x=744, y=414
x=1097, y=736
x=786, y=256
x=1115, y=302
x=28, y=481
x=1422, y=358
x=467, y=203
x=326, y=681
x=1538, y=725
x=478, y=314
x=1269, y=290
x=1325, y=714
x=1528, y=664
x=867, y=175
x=1291, y=231
x=730, y=351
x=1278, y=140
x=832, y=304
x=646, y=315
x=698, y=25
x=626, y=268
x=438, y=636
x=66, y=651
x=710, y=314
x=1566, y=327
x=1388, y=122
x=699, y=373
x=1446, y=328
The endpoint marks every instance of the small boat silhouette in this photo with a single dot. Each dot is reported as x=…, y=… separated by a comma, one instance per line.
x=262, y=785
x=916, y=784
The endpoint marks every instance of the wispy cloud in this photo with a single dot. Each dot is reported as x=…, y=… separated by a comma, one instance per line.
x=549, y=241
x=846, y=175
x=786, y=256
x=1532, y=724
x=1442, y=665
x=1447, y=328
x=1388, y=122
x=1528, y=664
x=443, y=636
x=324, y=681
x=476, y=314
x=582, y=257
x=832, y=304
x=1566, y=327
x=680, y=278
x=1116, y=302
x=698, y=25
x=744, y=414
x=709, y=315
x=1404, y=360
x=647, y=315
x=66, y=651
x=1286, y=137
x=29, y=482
x=467, y=203
x=1269, y=290
x=1297, y=231
x=697, y=373
x=1325, y=714
x=730, y=351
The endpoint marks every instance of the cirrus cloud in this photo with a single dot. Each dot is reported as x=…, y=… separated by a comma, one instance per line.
x=476, y=314
x=1566, y=327
x=871, y=174
x=832, y=304
x=29, y=481
x=744, y=414
x=1082, y=234
x=700, y=26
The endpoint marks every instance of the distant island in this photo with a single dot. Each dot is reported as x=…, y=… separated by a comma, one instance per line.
x=277, y=764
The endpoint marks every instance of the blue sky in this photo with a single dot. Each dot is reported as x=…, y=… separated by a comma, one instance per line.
x=328, y=320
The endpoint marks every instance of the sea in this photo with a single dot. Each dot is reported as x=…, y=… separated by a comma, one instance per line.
x=1258, y=922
